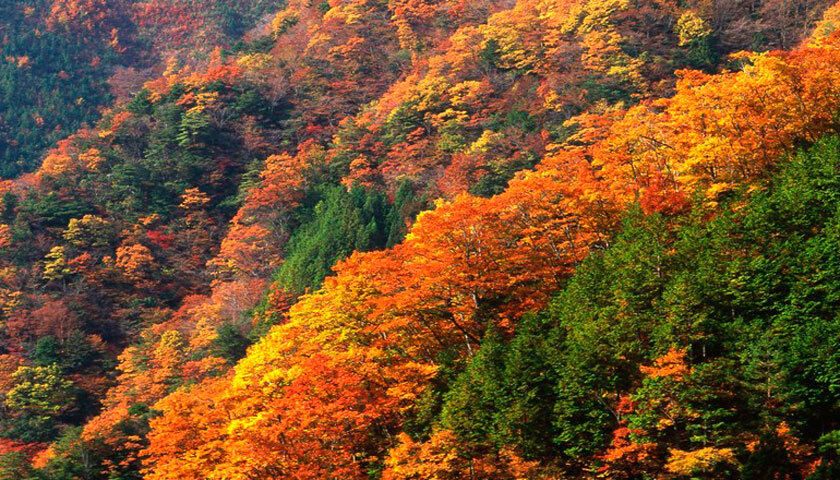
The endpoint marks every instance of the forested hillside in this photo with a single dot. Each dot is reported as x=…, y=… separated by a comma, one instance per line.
x=64, y=61
x=420, y=239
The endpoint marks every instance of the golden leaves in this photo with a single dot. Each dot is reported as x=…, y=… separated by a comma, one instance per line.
x=691, y=27
x=698, y=462
x=135, y=261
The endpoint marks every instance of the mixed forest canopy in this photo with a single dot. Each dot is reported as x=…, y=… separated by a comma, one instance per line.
x=419, y=239
x=63, y=62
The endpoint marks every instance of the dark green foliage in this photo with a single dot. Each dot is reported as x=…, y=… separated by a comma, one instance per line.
x=40, y=399
x=77, y=353
x=72, y=355
x=140, y=104
x=75, y=459
x=62, y=85
x=829, y=447
x=46, y=351
x=53, y=95
x=230, y=343
x=174, y=150
x=14, y=466
x=752, y=297
x=496, y=175
x=343, y=221
x=10, y=203
x=770, y=460
x=478, y=395
x=407, y=205
x=53, y=211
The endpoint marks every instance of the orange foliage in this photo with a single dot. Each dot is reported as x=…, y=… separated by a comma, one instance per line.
x=672, y=365
x=217, y=70
x=250, y=247
x=5, y=236
x=193, y=422
x=306, y=400
x=626, y=457
x=327, y=393
x=90, y=20
x=441, y=457
x=135, y=260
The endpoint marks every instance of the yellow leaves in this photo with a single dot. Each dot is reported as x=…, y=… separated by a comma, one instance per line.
x=691, y=27
x=449, y=115
x=91, y=159
x=664, y=423
x=307, y=381
x=466, y=93
x=466, y=42
x=255, y=62
x=719, y=130
x=348, y=13
x=42, y=390
x=193, y=419
x=428, y=93
x=150, y=220
x=169, y=351
x=90, y=230
x=201, y=101
x=405, y=34
x=597, y=13
x=205, y=333
x=170, y=341
x=506, y=35
x=55, y=267
x=444, y=457
x=194, y=81
x=265, y=363
x=351, y=17
x=243, y=425
x=408, y=392
x=717, y=190
x=485, y=142
x=699, y=462
x=382, y=319
x=603, y=53
x=66, y=159
x=194, y=199
x=438, y=458
x=115, y=121
x=600, y=44
x=828, y=25
x=283, y=21
x=56, y=163
x=562, y=17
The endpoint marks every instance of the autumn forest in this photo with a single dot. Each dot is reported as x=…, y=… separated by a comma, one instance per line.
x=419, y=239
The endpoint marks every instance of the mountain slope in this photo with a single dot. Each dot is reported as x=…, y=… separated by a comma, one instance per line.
x=64, y=61
x=168, y=308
